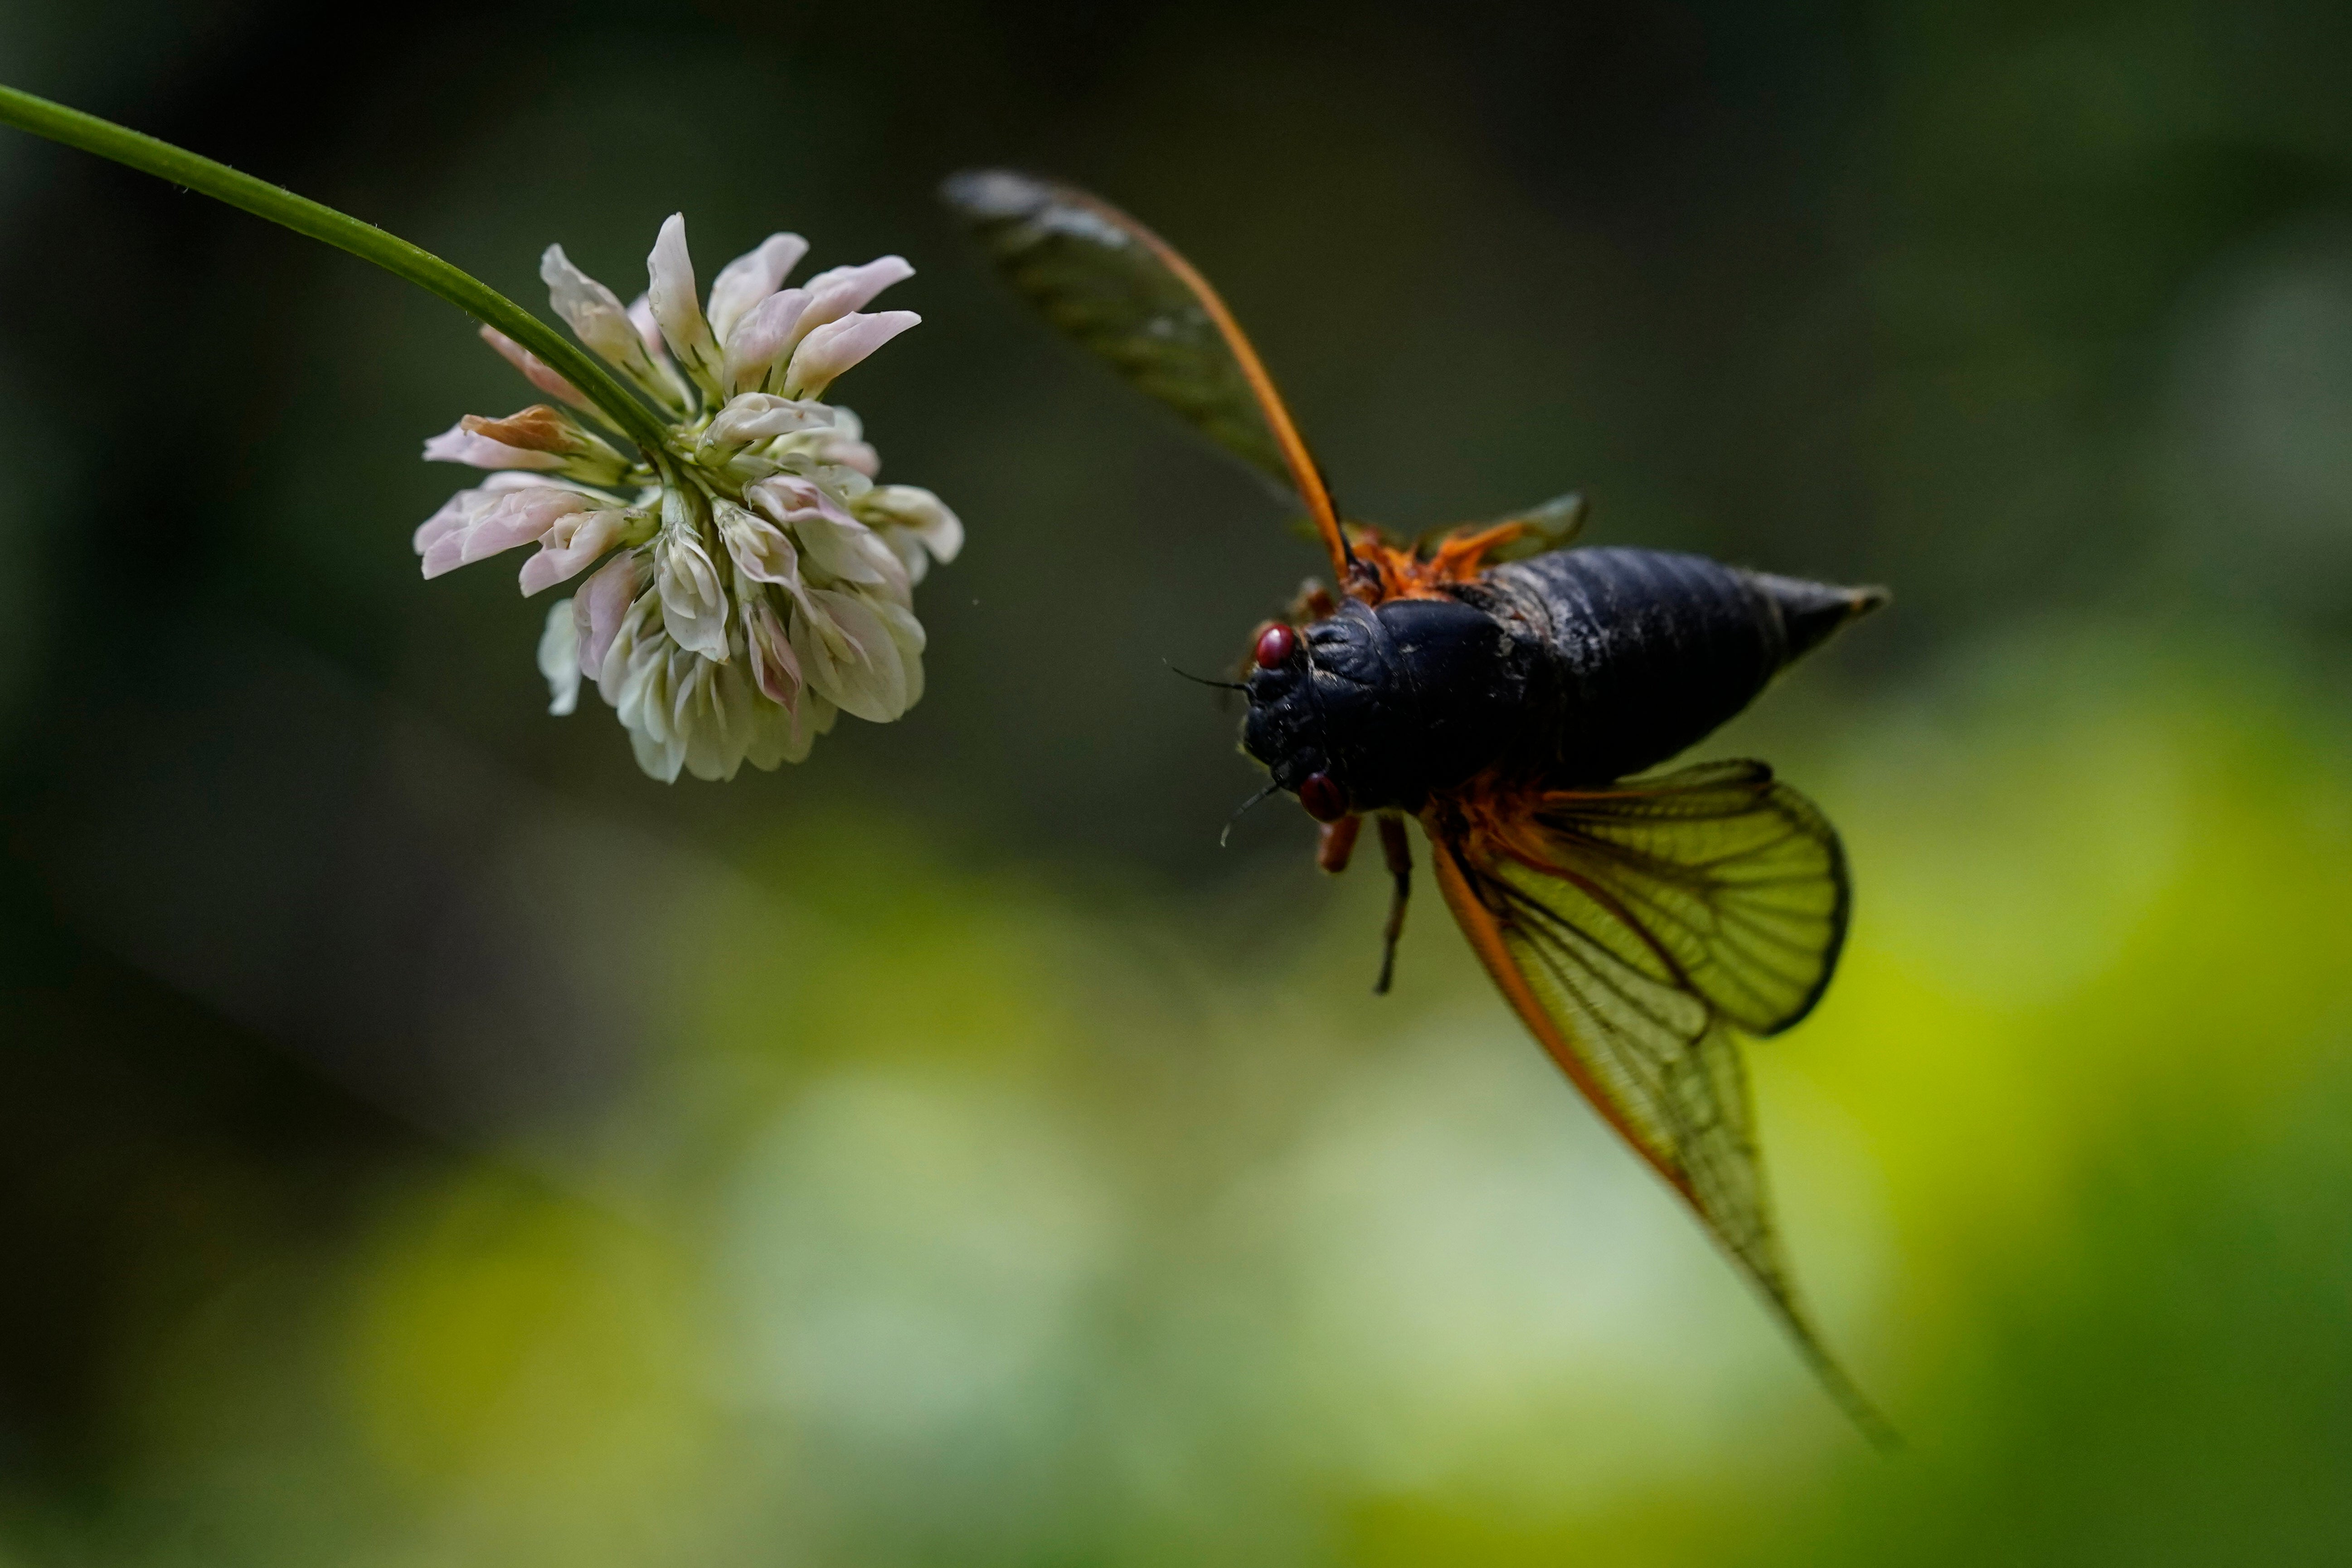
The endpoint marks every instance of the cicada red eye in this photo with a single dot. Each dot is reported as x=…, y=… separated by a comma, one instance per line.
x=1275, y=646
x=1325, y=801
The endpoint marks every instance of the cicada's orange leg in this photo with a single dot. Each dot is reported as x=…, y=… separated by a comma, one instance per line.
x=1338, y=842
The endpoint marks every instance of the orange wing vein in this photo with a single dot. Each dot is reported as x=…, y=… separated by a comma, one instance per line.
x=1126, y=294
x=1635, y=931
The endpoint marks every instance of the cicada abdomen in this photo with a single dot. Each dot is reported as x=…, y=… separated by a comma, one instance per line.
x=1652, y=651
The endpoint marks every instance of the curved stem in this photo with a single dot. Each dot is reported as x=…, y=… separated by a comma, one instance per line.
x=364, y=240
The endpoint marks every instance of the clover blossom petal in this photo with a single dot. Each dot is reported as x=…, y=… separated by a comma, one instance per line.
x=775, y=667
x=575, y=542
x=751, y=277
x=479, y=523
x=837, y=346
x=768, y=333
x=670, y=295
x=694, y=606
x=603, y=601
x=538, y=372
x=459, y=444
x=599, y=320
x=744, y=583
x=849, y=656
x=915, y=523
x=760, y=550
x=559, y=659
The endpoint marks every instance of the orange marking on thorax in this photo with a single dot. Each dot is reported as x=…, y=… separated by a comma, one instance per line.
x=1386, y=571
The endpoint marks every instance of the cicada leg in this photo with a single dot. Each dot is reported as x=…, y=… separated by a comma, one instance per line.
x=1332, y=852
x=1337, y=842
x=1398, y=851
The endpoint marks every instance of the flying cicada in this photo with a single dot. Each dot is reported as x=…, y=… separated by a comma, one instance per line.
x=1507, y=689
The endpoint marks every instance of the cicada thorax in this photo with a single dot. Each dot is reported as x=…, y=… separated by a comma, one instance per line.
x=1570, y=669
x=1388, y=702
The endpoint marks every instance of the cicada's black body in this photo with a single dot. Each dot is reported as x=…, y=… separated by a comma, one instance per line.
x=1567, y=670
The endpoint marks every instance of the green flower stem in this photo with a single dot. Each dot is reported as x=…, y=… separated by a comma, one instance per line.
x=366, y=241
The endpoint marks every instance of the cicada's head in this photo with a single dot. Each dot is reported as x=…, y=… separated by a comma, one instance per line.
x=1287, y=728
x=1341, y=712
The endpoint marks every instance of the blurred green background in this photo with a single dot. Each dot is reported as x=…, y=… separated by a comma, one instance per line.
x=423, y=1140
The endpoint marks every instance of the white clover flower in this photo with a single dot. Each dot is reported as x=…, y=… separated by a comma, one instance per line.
x=754, y=580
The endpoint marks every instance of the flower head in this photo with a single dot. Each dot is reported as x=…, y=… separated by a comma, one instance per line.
x=748, y=580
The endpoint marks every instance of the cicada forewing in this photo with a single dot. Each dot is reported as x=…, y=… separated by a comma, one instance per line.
x=1121, y=291
x=1550, y=525
x=1638, y=929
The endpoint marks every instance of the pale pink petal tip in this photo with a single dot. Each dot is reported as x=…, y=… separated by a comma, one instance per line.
x=570, y=546
x=649, y=334
x=671, y=300
x=601, y=603
x=837, y=346
x=499, y=521
x=751, y=277
x=459, y=444
x=762, y=335
x=845, y=289
x=535, y=369
x=559, y=659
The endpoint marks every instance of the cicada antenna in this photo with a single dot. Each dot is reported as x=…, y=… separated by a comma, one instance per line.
x=1204, y=681
x=1239, y=810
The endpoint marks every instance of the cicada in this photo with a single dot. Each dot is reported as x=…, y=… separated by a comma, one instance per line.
x=1508, y=691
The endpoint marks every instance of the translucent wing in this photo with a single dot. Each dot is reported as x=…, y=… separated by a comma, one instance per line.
x=1515, y=535
x=1123, y=292
x=1550, y=526
x=1634, y=930
x=1723, y=883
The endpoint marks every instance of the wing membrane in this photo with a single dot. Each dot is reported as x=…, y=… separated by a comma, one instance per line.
x=1634, y=930
x=1550, y=525
x=1121, y=291
x=1736, y=880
